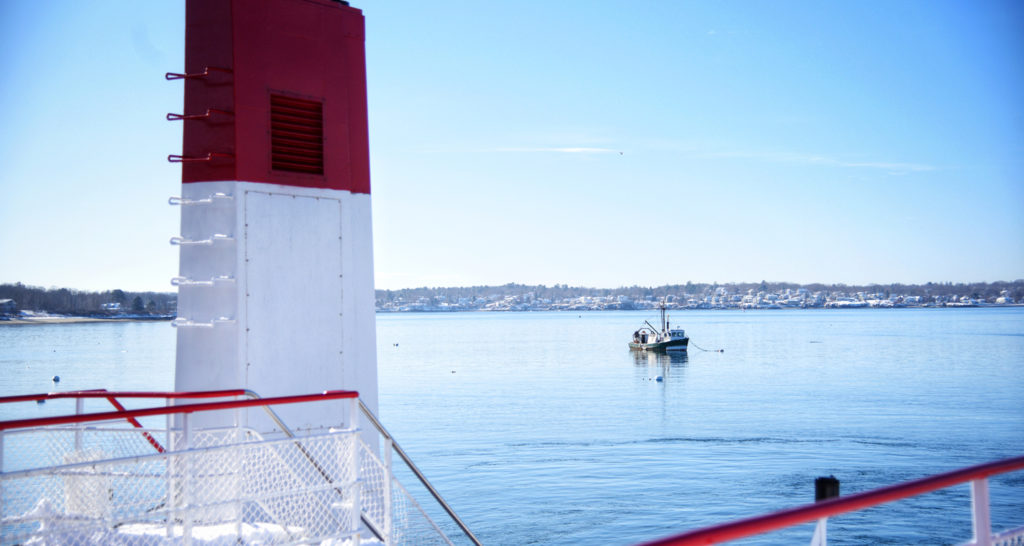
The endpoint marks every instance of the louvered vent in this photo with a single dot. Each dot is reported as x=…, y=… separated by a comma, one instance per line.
x=296, y=135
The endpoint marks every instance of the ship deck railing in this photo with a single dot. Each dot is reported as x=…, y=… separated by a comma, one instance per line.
x=977, y=476
x=114, y=477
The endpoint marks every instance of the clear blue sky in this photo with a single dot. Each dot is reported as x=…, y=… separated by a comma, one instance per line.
x=580, y=142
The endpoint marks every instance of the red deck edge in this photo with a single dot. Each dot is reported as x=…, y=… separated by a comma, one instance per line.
x=801, y=514
x=104, y=393
x=170, y=410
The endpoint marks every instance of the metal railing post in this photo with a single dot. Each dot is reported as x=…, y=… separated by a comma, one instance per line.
x=981, y=520
x=3, y=483
x=820, y=537
x=357, y=483
x=388, y=477
x=357, y=470
x=353, y=414
x=239, y=505
x=186, y=440
x=172, y=467
x=79, y=409
x=824, y=488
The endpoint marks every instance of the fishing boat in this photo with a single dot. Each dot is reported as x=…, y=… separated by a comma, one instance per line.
x=666, y=338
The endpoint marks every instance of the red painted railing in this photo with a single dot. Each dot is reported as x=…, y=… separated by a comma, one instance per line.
x=104, y=393
x=802, y=514
x=165, y=410
x=112, y=398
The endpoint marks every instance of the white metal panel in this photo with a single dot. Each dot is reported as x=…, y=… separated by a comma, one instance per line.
x=313, y=308
x=294, y=298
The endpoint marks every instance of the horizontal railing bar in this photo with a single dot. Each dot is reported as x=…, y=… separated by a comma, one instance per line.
x=94, y=429
x=103, y=393
x=810, y=512
x=171, y=410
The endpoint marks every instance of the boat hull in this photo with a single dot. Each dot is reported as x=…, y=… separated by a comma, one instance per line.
x=673, y=345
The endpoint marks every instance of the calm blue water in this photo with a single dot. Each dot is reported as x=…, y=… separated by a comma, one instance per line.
x=542, y=428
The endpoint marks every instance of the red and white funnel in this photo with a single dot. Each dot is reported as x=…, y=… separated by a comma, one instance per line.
x=275, y=290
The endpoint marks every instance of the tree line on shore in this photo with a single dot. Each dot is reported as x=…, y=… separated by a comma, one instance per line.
x=67, y=301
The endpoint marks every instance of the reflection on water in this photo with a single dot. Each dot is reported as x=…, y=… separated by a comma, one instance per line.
x=668, y=358
x=666, y=365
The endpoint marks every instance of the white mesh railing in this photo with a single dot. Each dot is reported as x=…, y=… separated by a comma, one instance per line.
x=108, y=483
x=413, y=523
x=391, y=509
x=274, y=492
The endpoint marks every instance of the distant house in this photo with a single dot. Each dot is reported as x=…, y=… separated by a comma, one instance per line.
x=112, y=306
x=8, y=307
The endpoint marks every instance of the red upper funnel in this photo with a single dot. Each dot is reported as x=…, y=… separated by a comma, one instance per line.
x=275, y=91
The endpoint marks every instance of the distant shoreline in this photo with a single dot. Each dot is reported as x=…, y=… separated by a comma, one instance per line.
x=85, y=320
x=688, y=309
x=80, y=320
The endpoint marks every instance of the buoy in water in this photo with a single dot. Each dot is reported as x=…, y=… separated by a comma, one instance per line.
x=56, y=379
x=40, y=401
x=658, y=379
